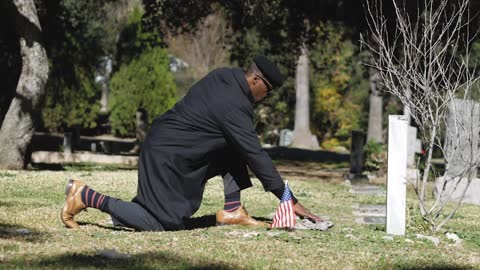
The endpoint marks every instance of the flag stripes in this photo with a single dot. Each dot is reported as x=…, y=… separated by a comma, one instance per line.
x=285, y=215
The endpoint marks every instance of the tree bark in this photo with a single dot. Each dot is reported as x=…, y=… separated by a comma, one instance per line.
x=302, y=136
x=18, y=126
x=375, y=113
x=406, y=109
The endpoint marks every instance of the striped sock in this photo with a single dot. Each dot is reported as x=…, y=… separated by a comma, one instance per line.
x=232, y=201
x=93, y=199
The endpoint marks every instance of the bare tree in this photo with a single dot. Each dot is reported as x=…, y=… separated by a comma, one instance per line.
x=206, y=48
x=424, y=63
x=18, y=126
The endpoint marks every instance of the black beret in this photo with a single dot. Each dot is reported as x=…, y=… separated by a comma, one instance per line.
x=269, y=70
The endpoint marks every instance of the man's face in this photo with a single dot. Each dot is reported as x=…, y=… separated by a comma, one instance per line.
x=260, y=87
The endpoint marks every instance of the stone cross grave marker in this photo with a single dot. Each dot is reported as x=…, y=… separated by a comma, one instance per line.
x=396, y=174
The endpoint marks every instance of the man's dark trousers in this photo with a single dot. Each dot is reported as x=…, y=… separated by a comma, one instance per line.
x=133, y=215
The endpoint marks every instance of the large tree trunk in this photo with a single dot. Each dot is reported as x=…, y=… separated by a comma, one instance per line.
x=18, y=126
x=375, y=113
x=302, y=136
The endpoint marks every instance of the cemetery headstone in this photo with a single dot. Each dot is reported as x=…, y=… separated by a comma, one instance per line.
x=396, y=174
x=462, y=149
x=106, y=147
x=93, y=147
x=462, y=136
x=286, y=137
x=356, y=155
x=67, y=143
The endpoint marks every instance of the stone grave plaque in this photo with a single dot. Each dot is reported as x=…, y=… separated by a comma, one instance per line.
x=286, y=137
x=463, y=125
x=356, y=152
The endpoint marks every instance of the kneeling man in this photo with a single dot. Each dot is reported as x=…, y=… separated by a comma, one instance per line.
x=209, y=132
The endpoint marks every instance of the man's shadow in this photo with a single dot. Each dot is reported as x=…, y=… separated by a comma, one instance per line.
x=209, y=221
x=193, y=223
x=108, y=227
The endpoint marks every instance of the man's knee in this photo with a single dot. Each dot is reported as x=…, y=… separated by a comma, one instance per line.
x=133, y=215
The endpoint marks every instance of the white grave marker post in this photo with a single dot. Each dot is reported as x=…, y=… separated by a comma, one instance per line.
x=397, y=173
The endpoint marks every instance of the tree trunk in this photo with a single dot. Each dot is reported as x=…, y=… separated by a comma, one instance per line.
x=302, y=137
x=18, y=126
x=406, y=109
x=375, y=113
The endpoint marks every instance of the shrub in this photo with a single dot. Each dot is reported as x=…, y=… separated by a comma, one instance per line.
x=71, y=102
x=330, y=144
x=339, y=83
x=145, y=82
x=375, y=157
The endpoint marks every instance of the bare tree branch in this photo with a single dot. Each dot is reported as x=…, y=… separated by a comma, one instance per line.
x=424, y=62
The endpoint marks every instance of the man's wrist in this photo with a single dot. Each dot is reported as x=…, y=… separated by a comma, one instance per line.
x=279, y=193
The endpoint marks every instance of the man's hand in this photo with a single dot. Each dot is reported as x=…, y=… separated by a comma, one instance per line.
x=305, y=213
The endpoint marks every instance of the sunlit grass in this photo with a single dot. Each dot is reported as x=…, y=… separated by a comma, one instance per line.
x=32, y=200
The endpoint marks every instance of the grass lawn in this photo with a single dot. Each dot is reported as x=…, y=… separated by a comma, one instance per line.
x=33, y=237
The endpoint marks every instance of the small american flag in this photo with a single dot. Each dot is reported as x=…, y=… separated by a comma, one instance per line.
x=285, y=216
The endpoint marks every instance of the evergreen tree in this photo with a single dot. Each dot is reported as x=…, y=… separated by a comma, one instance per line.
x=145, y=82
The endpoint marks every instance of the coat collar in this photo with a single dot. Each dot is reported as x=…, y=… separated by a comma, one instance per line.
x=239, y=75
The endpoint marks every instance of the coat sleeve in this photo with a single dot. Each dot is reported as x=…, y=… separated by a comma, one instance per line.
x=239, y=130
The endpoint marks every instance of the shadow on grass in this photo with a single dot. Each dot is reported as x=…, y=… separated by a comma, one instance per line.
x=150, y=260
x=297, y=154
x=209, y=221
x=190, y=224
x=19, y=203
x=449, y=266
x=7, y=204
x=81, y=166
x=21, y=233
x=108, y=227
x=200, y=222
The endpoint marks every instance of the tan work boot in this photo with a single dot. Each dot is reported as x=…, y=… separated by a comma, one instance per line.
x=238, y=217
x=73, y=202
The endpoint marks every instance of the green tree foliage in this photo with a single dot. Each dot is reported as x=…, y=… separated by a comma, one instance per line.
x=71, y=104
x=145, y=82
x=77, y=34
x=142, y=79
x=474, y=64
x=275, y=112
x=340, y=85
x=375, y=157
x=134, y=39
x=273, y=28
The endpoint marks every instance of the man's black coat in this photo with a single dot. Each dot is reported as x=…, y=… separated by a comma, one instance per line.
x=207, y=133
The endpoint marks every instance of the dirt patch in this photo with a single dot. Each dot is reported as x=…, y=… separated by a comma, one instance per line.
x=311, y=171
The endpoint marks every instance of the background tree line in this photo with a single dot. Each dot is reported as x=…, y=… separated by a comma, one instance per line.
x=140, y=38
